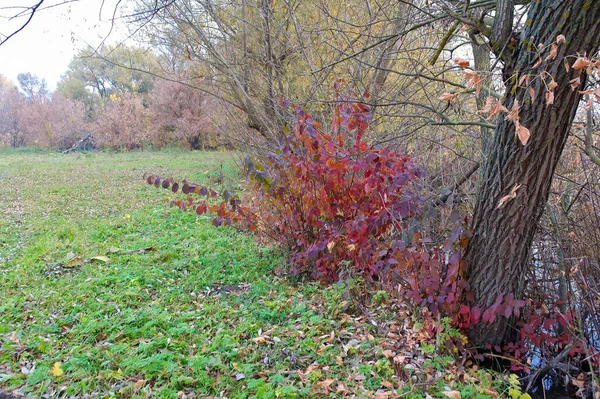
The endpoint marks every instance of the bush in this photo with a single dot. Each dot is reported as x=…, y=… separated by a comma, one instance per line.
x=331, y=199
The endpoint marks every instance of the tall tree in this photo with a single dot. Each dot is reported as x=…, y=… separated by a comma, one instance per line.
x=32, y=86
x=499, y=254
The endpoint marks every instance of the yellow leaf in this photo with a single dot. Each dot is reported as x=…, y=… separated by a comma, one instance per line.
x=101, y=258
x=57, y=371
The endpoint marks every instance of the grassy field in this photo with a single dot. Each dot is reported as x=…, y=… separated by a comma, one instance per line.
x=106, y=292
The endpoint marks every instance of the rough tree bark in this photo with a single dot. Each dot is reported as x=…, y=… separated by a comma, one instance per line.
x=499, y=254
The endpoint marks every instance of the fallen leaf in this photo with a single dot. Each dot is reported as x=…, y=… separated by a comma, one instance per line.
x=399, y=359
x=101, y=258
x=452, y=394
x=490, y=392
x=341, y=388
x=552, y=85
x=74, y=262
x=14, y=338
x=560, y=39
x=325, y=384
x=388, y=353
x=240, y=376
x=57, y=371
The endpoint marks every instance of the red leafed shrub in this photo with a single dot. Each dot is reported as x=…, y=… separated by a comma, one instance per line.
x=331, y=199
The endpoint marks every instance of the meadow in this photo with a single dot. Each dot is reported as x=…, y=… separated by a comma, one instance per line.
x=106, y=292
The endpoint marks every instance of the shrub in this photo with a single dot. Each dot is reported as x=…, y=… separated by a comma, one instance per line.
x=331, y=199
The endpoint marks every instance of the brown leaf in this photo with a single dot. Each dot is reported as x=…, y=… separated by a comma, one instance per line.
x=388, y=353
x=477, y=83
x=489, y=105
x=560, y=39
x=553, y=53
x=399, y=359
x=490, y=392
x=387, y=384
x=575, y=83
x=462, y=62
x=448, y=96
x=513, y=115
x=497, y=109
x=552, y=85
x=452, y=394
x=549, y=98
x=259, y=340
x=523, y=79
x=342, y=388
x=325, y=384
x=469, y=73
x=532, y=94
x=76, y=261
x=523, y=134
x=510, y=196
x=581, y=63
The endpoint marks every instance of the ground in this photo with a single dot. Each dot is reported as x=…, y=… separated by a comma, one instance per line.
x=108, y=293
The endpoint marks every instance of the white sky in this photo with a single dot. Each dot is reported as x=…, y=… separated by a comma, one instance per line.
x=53, y=36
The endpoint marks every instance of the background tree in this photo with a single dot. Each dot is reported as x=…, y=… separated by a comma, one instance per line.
x=32, y=86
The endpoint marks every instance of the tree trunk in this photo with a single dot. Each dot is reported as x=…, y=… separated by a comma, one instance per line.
x=499, y=254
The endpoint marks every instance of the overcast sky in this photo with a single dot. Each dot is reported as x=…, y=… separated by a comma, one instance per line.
x=53, y=36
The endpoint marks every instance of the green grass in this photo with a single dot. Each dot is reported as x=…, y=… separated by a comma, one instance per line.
x=157, y=320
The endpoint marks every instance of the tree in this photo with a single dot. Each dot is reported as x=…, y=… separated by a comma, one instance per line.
x=32, y=86
x=183, y=113
x=10, y=104
x=109, y=69
x=499, y=254
x=403, y=63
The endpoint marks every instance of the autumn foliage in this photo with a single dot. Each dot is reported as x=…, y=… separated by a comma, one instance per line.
x=331, y=199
